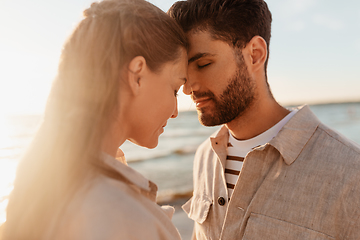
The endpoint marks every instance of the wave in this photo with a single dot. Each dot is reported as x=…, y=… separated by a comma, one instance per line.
x=185, y=150
x=10, y=153
x=169, y=197
x=142, y=156
x=181, y=132
x=152, y=155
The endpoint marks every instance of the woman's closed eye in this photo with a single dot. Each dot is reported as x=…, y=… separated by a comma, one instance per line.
x=182, y=82
x=176, y=93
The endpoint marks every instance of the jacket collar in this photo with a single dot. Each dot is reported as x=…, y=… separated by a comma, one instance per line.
x=219, y=141
x=293, y=137
x=127, y=173
x=290, y=141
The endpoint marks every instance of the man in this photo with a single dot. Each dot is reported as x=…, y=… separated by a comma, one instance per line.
x=269, y=172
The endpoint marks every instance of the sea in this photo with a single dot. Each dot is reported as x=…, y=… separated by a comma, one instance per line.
x=170, y=164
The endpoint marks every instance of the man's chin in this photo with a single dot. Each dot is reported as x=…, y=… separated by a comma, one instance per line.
x=210, y=118
x=207, y=119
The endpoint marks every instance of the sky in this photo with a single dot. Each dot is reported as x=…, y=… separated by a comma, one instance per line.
x=314, y=50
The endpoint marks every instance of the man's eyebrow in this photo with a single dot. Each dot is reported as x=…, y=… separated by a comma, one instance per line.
x=198, y=56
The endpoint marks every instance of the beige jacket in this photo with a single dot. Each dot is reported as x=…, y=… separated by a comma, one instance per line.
x=112, y=209
x=303, y=184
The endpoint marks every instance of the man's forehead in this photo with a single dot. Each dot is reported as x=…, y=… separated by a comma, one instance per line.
x=203, y=44
x=196, y=38
x=200, y=42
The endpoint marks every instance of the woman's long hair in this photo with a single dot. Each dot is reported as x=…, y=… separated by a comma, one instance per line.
x=81, y=104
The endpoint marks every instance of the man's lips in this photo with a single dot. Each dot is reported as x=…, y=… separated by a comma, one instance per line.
x=200, y=102
x=202, y=98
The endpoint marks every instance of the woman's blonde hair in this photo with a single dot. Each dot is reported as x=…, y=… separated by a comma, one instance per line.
x=81, y=105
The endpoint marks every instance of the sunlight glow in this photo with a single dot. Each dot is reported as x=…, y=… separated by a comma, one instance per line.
x=26, y=78
x=7, y=168
x=3, y=205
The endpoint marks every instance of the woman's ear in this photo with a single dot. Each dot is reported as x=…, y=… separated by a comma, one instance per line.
x=257, y=50
x=136, y=69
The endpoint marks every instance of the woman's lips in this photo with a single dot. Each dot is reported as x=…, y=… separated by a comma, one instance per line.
x=162, y=128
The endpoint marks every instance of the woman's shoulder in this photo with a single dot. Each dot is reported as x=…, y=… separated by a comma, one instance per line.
x=108, y=208
x=108, y=195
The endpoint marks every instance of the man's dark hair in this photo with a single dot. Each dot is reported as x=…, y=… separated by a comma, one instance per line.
x=233, y=21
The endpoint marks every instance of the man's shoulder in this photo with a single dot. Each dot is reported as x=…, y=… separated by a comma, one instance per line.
x=306, y=135
x=339, y=141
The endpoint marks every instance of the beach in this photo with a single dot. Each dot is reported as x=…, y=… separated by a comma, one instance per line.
x=181, y=221
x=169, y=165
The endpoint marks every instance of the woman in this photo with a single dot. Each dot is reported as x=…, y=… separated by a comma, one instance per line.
x=118, y=78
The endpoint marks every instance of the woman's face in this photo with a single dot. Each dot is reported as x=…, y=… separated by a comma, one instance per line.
x=158, y=102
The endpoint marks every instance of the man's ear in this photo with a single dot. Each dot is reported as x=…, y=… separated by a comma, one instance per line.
x=136, y=69
x=257, y=52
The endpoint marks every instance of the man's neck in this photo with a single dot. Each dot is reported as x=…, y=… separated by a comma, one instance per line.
x=257, y=119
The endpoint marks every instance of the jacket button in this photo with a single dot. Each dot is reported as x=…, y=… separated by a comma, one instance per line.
x=221, y=201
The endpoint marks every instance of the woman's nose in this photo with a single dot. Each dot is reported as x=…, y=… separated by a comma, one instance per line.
x=176, y=112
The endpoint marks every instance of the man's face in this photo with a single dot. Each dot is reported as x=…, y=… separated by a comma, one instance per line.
x=219, y=82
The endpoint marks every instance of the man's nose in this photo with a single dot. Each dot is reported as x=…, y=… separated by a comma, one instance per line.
x=191, y=85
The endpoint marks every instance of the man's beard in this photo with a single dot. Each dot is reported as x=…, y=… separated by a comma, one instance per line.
x=232, y=103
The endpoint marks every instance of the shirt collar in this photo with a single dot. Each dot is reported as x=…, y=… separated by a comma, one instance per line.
x=290, y=141
x=219, y=141
x=293, y=137
x=132, y=176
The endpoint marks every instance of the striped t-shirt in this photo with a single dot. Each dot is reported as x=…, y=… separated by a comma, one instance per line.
x=238, y=149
